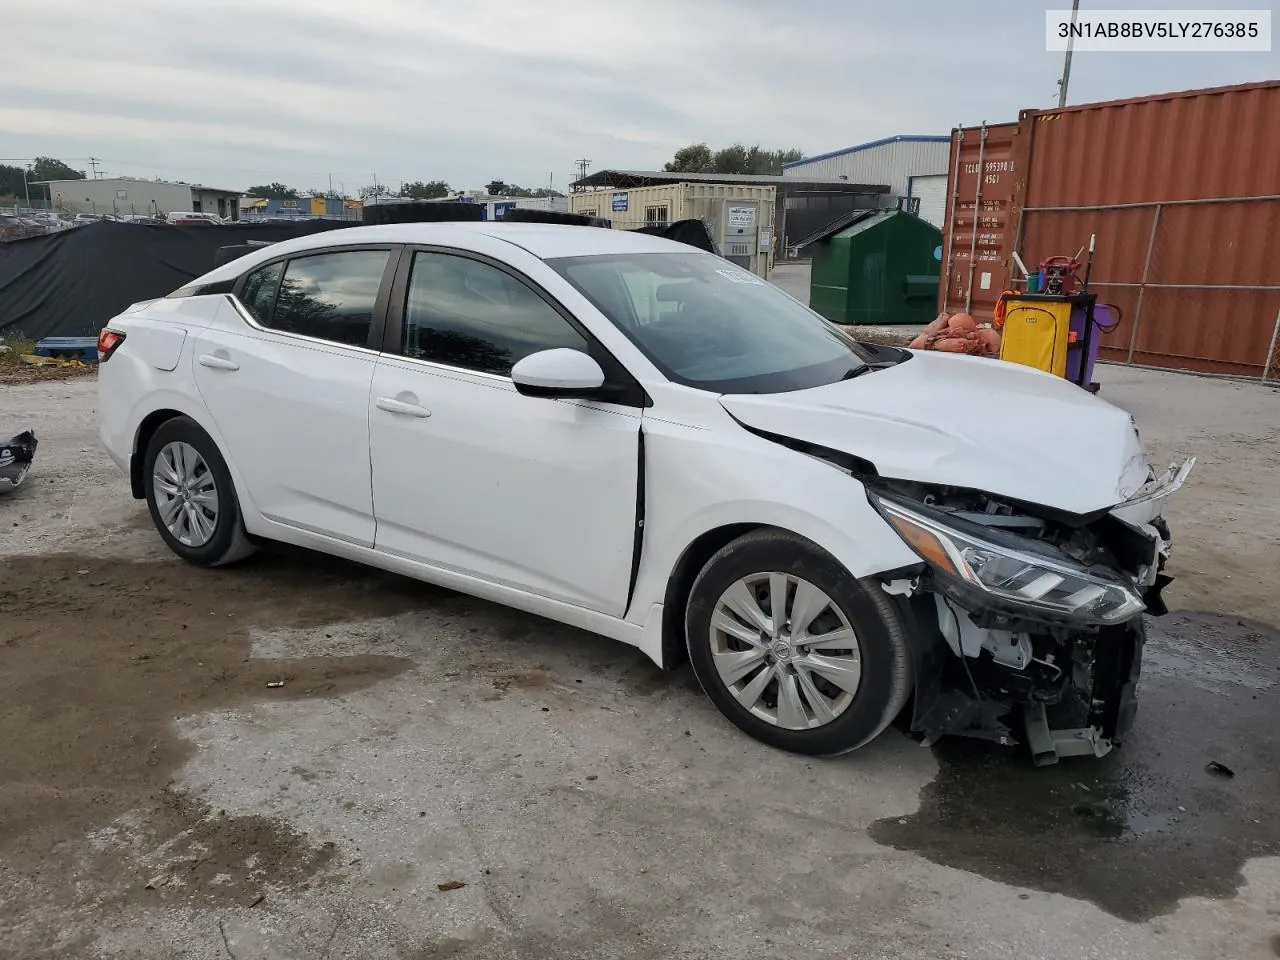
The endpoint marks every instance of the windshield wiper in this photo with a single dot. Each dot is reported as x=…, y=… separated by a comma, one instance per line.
x=857, y=371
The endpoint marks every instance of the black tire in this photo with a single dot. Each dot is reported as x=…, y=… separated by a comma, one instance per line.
x=229, y=541
x=882, y=645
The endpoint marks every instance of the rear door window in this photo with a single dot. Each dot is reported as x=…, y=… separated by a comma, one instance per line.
x=259, y=294
x=330, y=296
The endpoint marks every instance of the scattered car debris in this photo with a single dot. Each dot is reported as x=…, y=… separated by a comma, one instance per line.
x=273, y=684
x=1219, y=770
x=155, y=883
x=16, y=455
x=450, y=885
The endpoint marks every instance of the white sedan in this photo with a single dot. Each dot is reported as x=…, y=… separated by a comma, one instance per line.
x=641, y=439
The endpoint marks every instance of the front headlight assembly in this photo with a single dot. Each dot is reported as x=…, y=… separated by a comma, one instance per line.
x=1020, y=577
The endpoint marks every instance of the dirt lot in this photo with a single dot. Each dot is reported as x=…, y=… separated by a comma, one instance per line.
x=299, y=758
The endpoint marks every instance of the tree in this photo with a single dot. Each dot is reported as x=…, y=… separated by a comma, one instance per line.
x=12, y=182
x=495, y=188
x=731, y=160
x=47, y=168
x=514, y=191
x=273, y=191
x=431, y=190
x=375, y=190
x=695, y=158
x=736, y=158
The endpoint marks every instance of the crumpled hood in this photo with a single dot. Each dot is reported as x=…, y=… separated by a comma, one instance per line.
x=969, y=422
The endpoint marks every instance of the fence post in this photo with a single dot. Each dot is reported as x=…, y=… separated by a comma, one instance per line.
x=1271, y=350
x=1142, y=289
x=977, y=211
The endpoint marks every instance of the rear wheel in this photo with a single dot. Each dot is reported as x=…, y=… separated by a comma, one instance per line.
x=792, y=648
x=190, y=495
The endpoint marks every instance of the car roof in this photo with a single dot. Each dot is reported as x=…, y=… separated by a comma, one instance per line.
x=544, y=240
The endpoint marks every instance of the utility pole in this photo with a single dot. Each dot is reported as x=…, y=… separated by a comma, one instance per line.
x=1066, y=64
x=331, y=183
x=583, y=166
x=26, y=184
x=93, y=162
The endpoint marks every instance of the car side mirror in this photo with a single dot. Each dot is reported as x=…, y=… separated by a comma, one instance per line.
x=560, y=372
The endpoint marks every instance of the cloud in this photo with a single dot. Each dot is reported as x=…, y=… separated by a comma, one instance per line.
x=243, y=91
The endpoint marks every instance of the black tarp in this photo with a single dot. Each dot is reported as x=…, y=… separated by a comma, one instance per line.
x=424, y=211
x=528, y=215
x=70, y=283
x=693, y=232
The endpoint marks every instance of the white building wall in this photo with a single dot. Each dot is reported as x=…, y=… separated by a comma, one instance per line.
x=932, y=191
x=553, y=204
x=230, y=204
x=118, y=195
x=894, y=163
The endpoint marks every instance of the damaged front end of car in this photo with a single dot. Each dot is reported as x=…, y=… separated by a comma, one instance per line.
x=1026, y=623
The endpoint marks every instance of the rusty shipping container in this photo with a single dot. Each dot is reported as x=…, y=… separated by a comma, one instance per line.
x=1182, y=191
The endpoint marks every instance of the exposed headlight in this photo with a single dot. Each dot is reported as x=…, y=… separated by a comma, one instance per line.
x=1054, y=585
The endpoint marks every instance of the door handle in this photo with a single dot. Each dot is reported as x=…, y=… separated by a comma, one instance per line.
x=217, y=362
x=402, y=407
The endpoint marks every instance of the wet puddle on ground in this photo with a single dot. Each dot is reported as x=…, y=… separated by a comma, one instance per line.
x=1148, y=825
x=97, y=659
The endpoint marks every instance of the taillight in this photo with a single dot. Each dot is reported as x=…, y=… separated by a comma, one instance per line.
x=108, y=342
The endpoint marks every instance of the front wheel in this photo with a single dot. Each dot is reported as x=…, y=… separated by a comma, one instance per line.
x=792, y=648
x=190, y=495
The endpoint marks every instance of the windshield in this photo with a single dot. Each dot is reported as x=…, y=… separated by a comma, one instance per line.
x=709, y=324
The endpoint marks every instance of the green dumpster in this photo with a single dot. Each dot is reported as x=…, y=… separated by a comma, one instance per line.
x=881, y=269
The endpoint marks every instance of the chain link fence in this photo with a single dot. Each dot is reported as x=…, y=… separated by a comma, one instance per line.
x=1197, y=282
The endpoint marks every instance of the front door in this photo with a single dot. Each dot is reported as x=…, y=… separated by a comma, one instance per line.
x=469, y=474
x=289, y=391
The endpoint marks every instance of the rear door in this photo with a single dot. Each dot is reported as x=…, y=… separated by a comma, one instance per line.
x=287, y=383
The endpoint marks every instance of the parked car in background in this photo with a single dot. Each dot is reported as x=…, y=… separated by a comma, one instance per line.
x=11, y=228
x=16, y=226
x=189, y=217
x=142, y=218
x=638, y=438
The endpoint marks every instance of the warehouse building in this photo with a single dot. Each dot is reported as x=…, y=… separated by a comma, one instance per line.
x=748, y=216
x=121, y=196
x=303, y=208
x=914, y=167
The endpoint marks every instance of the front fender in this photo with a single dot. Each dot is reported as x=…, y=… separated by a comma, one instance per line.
x=698, y=481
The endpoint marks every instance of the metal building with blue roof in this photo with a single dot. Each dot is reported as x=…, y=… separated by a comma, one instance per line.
x=913, y=166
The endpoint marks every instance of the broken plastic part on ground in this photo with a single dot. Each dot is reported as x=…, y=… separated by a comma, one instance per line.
x=16, y=456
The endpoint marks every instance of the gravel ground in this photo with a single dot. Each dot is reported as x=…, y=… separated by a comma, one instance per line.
x=296, y=757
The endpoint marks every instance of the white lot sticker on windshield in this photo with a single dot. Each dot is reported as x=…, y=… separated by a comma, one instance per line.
x=739, y=276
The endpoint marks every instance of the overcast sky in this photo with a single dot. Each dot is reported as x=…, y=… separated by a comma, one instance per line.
x=237, y=92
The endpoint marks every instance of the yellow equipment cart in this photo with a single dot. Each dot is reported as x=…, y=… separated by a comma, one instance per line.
x=1052, y=333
